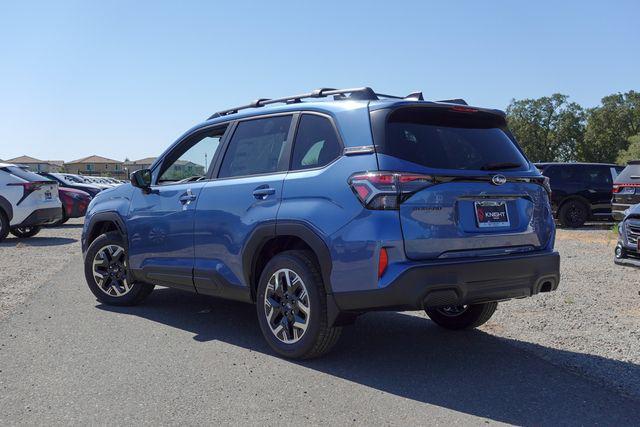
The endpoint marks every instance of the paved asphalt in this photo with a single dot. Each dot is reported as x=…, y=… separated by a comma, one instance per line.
x=182, y=358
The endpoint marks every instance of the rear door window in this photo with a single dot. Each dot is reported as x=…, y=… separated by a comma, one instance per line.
x=316, y=143
x=257, y=147
x=442, y=139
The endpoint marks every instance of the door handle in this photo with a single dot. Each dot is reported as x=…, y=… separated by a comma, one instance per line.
x=262, y=193
x=187, y=197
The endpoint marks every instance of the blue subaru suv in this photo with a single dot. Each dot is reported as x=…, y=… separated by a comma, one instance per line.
x=322, y=206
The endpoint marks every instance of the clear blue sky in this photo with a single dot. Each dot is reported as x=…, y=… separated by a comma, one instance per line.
x=126, y=78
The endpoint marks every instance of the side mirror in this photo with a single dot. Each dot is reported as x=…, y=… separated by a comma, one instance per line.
x=141, y=179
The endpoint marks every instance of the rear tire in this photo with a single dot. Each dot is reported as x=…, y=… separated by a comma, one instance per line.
x=4, y=226
x=292, y=307
x=25, y=232
x=107, y=257
x=455, y=317
x=573, y=213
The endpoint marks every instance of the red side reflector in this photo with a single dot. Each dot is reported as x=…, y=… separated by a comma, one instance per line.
x=383, y=262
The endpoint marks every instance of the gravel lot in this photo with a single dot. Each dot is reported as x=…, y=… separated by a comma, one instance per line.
x=591, y=325
x=26, y=264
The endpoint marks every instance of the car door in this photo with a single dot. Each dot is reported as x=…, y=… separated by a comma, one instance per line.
x=601, y=187
x=245, y=194
x=160, y=223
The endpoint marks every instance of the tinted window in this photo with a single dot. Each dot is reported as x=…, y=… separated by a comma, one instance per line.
x=316, y=143
x=599, y=175
x=553, y=173
x=256, y=147
x=24, y=174
x=192, y=159
x=451, y=140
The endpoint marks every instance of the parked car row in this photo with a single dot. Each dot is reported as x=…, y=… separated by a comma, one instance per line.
x=580, y=191
x=29, y=201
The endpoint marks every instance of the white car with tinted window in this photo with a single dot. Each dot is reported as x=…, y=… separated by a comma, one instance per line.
x=27, y=202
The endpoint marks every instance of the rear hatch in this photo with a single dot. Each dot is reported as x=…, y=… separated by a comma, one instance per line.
x=626, y=186
x=466, y=188
x=35, y=188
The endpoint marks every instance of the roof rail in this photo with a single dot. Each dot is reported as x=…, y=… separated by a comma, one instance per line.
x=361, y=93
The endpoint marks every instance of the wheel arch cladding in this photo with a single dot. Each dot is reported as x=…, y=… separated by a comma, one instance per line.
x=102, y=223
x=268, y=240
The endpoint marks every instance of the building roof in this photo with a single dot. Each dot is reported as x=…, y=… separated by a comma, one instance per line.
x=28, y=159
x=95, y=159
x=145, y=161
x=25, y=159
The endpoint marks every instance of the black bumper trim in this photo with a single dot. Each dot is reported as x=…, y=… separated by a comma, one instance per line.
x=459, y=283
x=42, y=217
x=627, y=262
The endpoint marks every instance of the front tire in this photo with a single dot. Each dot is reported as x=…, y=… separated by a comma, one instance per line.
x=462, y=317
x=573, y=214
x=107, y=273
x=292, y=307
x=25, y=232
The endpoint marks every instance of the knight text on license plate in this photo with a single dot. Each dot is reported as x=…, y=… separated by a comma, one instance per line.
x=491, y=214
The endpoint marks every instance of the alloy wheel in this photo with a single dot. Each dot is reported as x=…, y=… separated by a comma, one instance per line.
x=287, y=306
x=110, y=271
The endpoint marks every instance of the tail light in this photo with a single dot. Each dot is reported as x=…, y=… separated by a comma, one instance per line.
x=386, y=190
x=619, y=187
x=29, y=187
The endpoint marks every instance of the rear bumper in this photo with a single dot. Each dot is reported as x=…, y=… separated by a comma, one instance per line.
x=617, y=210
x=42, y=217
x=460, y=283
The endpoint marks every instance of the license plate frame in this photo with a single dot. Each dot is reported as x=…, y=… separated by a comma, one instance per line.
x=491, y=214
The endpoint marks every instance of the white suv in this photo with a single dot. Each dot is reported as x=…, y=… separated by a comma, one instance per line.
x=27, y=201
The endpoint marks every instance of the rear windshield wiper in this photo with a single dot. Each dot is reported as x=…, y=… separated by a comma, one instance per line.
x=500, y=165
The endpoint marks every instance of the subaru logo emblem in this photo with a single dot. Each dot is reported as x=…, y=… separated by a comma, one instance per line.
x=498, y=179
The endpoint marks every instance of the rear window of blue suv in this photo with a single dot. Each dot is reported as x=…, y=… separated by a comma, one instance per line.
x=445, y=139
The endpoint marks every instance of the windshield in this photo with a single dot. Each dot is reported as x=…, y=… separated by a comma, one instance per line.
x=441, y=139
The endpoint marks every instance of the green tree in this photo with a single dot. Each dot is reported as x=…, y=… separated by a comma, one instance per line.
x=609, y=127
x=548, y=128
x=631, y=153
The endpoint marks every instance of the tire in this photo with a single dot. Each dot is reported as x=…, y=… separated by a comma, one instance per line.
x=116, y=289
x=573, y=213
x=317, y=338
x=4, y=226
x=620, y=252
x=470, y=317
x=25, y=232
